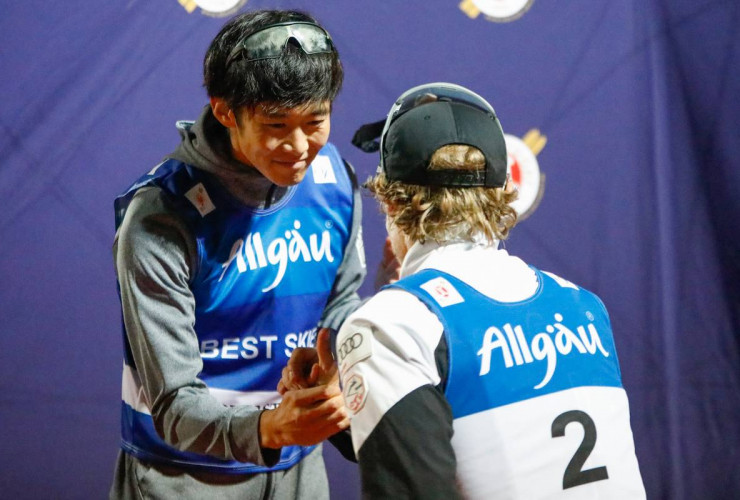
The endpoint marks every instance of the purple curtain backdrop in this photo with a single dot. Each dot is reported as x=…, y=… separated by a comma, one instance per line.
x=637, y=99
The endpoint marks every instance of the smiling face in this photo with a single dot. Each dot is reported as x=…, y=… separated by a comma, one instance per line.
x=280, y=143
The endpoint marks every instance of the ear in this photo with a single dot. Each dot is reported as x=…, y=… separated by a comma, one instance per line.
x=223, y=112
x=390, y=208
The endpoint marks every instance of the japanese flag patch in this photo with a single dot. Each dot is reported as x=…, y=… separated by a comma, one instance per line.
x=442, y=291
x=323, y=172
x=198, y=196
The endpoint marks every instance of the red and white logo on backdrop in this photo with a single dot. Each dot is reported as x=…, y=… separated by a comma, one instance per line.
x=215, y=8
x=498, y=11
x=524, y=170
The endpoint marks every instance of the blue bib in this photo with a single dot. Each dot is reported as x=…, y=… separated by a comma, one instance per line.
x=261, y=284
x=502, y=352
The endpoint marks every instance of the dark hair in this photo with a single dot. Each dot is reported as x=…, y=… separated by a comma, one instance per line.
x=293, y=79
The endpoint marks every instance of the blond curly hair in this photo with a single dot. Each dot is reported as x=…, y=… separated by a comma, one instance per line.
x=447, y=213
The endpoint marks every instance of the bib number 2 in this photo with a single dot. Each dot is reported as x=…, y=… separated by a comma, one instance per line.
x=574, y=473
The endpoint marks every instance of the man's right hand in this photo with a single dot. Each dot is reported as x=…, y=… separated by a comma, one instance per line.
x=307, y=416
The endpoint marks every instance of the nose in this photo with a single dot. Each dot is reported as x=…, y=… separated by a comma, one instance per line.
x=296, y=142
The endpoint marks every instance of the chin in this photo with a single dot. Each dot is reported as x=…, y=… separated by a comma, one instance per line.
x=289, y=180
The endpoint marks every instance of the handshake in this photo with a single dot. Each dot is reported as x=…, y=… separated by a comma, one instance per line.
x=312, y=408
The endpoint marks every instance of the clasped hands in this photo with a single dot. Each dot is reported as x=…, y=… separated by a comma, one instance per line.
x=312, y=408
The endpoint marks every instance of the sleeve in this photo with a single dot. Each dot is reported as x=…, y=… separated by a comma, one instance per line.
x=387, y=353
x=154, y=252
x=408, y=454
x=342, y=441
x=344, y=298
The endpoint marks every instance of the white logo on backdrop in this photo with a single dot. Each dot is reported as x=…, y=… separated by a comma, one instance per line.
x=216, y=8
x=498, y=11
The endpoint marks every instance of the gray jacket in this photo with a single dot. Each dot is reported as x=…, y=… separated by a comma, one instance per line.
x=154, y=252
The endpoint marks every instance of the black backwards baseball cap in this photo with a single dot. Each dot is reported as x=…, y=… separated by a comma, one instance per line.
x=426, y=118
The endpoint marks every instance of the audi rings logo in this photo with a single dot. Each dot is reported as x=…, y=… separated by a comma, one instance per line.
x=349, y=345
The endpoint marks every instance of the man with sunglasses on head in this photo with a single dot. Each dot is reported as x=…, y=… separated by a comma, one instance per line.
x=229, y=255
x=475, y=375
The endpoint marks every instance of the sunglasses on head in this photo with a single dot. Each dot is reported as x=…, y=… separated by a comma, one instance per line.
x=270, y=42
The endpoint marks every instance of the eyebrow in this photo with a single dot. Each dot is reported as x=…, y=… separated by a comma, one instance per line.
x=319, y=110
